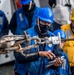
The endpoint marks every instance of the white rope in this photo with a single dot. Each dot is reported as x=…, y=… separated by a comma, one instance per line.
x=30, y=5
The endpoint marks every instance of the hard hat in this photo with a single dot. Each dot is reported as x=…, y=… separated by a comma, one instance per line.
x=24, y=1
x=72, y=15
x=62, y=34
x=46, y=15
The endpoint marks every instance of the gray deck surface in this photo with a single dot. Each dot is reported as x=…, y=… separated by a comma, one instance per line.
x=7, y=69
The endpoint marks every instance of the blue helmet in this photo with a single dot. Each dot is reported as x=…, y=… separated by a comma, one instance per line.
x=24, y=1
x=46, y=15
x=62, y=34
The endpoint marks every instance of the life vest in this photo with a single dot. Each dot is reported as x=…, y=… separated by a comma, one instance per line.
x=69, y=45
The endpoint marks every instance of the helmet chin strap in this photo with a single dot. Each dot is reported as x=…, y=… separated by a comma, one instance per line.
x=39, y=27
x=38, y=24
x=30, y=5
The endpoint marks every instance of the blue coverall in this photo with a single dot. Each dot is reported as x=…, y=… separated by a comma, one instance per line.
x=64, y=69
x=3, y=24
x=35, y=65
x=22, y=20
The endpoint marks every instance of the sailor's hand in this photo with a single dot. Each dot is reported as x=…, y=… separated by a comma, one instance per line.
x=47, y=54
x=58, y=62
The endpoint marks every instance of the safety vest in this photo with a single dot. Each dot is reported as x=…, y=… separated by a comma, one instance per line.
x=69, y=45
